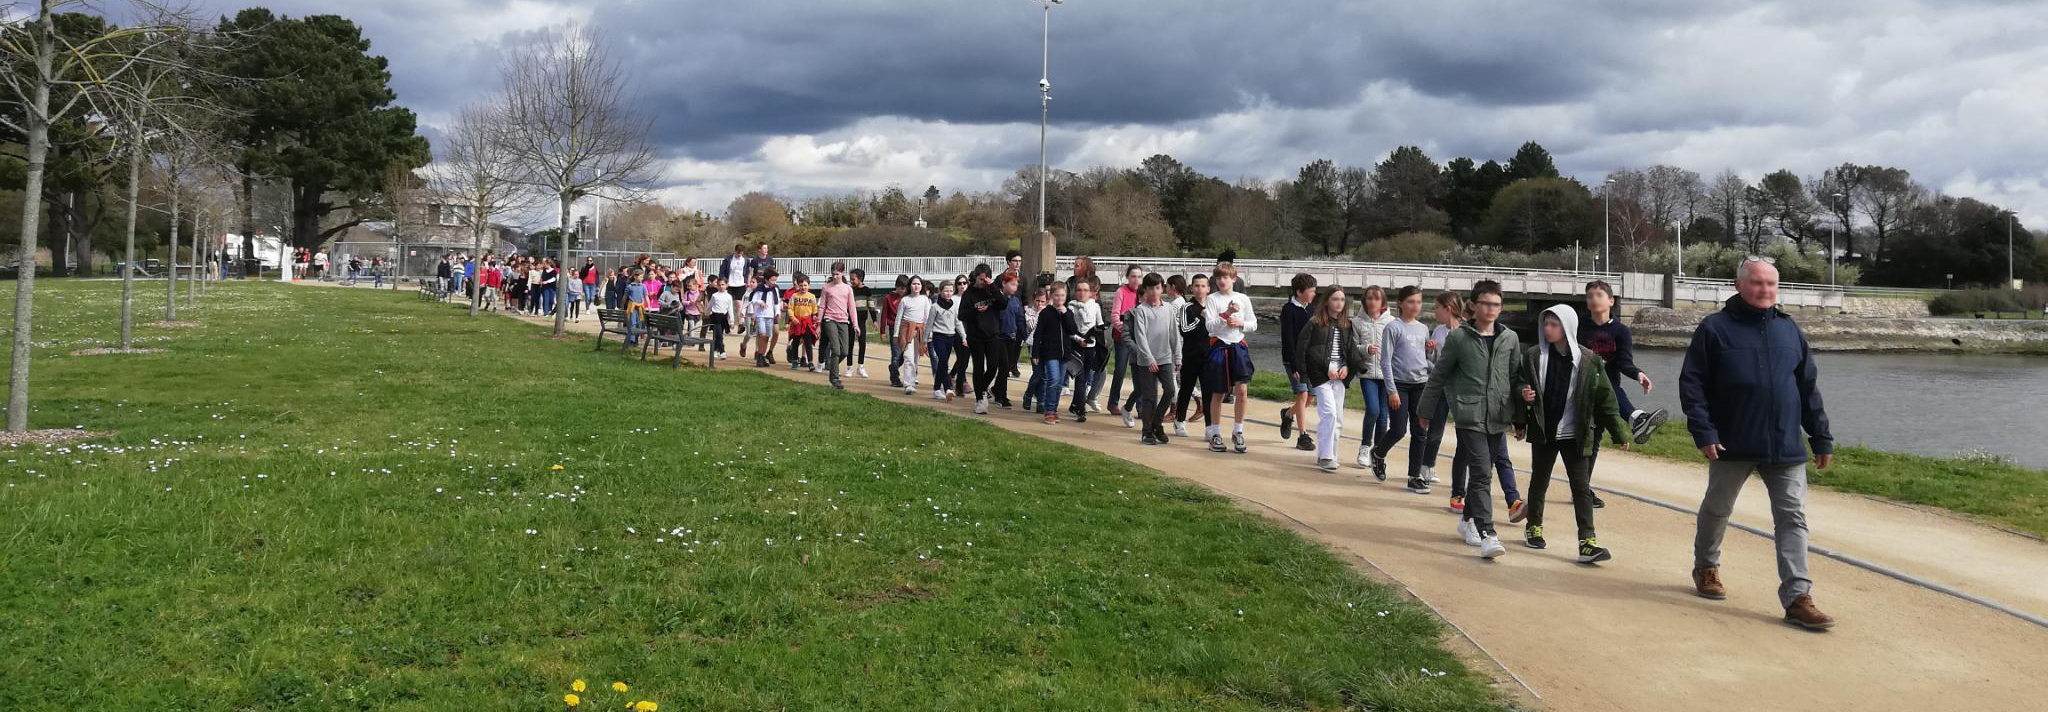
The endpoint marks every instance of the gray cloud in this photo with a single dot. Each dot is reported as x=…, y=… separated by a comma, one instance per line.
x=815, y=95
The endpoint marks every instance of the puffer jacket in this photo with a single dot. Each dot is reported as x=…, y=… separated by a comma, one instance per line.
x=1477, y=381
x=1312, y=352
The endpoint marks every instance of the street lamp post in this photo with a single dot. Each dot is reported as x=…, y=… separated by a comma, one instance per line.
x=1044, y=103
x=2010, y=218
x=1832, y=230
x=1607, y=224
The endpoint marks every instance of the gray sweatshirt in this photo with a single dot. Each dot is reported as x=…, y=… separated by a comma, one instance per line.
x=1402, y=355
x=1155, y=335
x=1371, y=332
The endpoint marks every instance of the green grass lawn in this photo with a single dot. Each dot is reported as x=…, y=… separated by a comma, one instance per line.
x=2002, y=493
x=351, y=499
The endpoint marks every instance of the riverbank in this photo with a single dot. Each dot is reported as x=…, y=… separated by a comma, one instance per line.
x=1985, y=488
x=1658, y=327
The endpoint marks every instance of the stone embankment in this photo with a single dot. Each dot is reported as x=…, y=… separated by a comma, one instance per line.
x=1879, y=327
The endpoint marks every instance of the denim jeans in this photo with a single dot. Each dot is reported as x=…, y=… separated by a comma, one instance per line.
x=1375, y=391
x=1116, y=383
x=1050, y=374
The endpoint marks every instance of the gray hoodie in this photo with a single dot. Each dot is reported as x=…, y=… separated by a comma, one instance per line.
x=1155, y=335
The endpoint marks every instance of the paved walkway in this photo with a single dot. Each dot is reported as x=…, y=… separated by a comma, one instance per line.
x=1629, y=634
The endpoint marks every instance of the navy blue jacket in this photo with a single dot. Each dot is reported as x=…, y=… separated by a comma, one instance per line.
x=1010, y=323
x=1054, y=339
x=1749, y=384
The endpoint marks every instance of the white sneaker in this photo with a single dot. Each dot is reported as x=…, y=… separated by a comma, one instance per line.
x=908, y=390
x=1364, y=456
x=1129, y=422
x=816, y=369
x=939, y=395
x=1095, y=406
x=980, y=406
x=1468, y=532
x=863, y=371
x=1180, y=430
x=1490, y=547
x=1429, y=474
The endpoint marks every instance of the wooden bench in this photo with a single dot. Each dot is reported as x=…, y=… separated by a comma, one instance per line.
x=613, y=321
x=664, y=330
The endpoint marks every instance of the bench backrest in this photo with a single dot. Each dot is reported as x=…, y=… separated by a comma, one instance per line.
x=668, y=323
x=607, y=316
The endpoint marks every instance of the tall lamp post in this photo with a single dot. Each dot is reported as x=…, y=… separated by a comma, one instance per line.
x=1044, y=103
x=2010, y=218
x=1607, y=224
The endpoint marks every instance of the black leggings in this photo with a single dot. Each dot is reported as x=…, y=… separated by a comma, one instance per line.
x=987, y=357
x=859, y=348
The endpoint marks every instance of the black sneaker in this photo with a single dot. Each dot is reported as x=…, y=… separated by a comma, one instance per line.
x=1216, y=443
x=837, y=386
x=1160, y=435
x=1648, y=424
x=1287, y=424
x=1304, y=442
x=1591, y=553
x=1081, y=417
x=1533, y=537
x=1599, y=503
x=1237, y=442
x=1147, y=440
x=1379, y=468
x=1416, y=485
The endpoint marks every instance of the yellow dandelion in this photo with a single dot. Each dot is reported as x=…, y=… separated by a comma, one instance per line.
x=577, y=686
x=571, y=699
x=557, y=468
x=619, y=687
x=645, y=706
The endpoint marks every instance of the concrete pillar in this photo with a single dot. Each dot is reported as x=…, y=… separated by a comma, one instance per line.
x=1041, y=254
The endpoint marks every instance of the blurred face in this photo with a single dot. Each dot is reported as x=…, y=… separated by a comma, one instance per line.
x=1445, y=315
x=1411, y=307
x=1336, y=305
x=917, y=286
x=1134, y=277
x=1758, y=284
x=764, y=250
x=1598, y=301
x=1224, y=283
x=1199, y=289
x=1375, y=303
x=1017, y=264
x=1486, y=308
x=1553, y=331
x=1010, y=288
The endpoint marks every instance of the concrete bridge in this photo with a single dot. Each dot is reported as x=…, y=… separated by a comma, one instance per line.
x=1540, y=287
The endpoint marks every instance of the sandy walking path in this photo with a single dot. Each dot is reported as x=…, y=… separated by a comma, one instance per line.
x=1629, y=634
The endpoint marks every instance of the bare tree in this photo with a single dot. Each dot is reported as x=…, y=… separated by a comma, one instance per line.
x=1630, y=203
x=478, y=172
x=570, y=127
x=96, y=70
x=1887, y=198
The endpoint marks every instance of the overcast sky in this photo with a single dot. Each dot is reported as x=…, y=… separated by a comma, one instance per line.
x=800, y=97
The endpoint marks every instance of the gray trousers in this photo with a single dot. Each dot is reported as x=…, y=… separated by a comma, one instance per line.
x=838, y=335
x=1786, y=484
x=1476, y=449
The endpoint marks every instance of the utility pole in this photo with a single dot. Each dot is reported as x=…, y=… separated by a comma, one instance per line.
x=1044, y=104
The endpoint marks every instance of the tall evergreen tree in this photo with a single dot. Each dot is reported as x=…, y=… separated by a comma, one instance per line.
x=1531, y=161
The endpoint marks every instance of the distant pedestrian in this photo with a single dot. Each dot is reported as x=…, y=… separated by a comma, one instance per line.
x=1749, y=385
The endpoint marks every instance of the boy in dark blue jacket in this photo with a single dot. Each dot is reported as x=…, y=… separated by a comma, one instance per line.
x=1293, y=317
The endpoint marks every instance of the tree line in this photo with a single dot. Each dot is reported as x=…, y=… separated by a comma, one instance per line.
x=1884, y=226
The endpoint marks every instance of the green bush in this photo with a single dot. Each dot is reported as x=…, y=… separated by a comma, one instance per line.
x=1972, y=301
x=1421, y=248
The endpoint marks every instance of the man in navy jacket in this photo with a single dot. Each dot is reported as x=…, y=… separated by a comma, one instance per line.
x=1749, y=386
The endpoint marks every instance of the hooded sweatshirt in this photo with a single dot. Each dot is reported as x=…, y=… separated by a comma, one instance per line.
x=1372, y=332
x=1559, y=378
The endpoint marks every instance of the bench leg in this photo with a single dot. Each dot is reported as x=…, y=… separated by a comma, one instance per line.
x=677, y=362
x=600, y=338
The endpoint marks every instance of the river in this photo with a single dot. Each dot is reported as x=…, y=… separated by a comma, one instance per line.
x=1925, y=404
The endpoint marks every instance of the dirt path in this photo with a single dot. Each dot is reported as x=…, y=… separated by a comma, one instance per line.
x=1629, y=635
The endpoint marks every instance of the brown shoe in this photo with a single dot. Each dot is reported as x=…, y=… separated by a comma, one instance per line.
x=1707, y=583
x=1802, y=613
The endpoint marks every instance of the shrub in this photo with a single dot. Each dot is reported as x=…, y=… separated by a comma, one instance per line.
x=1971, y=301
x=1407, y=248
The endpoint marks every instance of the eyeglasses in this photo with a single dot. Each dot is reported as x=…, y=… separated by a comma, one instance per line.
x=1760, y=258
x=1489, y=305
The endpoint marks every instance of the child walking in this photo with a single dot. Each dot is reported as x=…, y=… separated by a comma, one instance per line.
x=912, y=311
x=1085, y=361
x=1327, y=351
x=1053, y=343
x=1293, y=319
x=764, y=304
x=944, y=327
x=1040, y=296
x=1155, y=357
x=1371, y=324
x=1229, y=316
x=719, y=316
x=1404, y=361
x=802, y=306
x=1566, y=403
x=1477, y=373
x=1194, y=351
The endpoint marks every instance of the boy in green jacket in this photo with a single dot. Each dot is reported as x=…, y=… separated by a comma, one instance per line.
x=1478, y=371
x=1567, y=403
